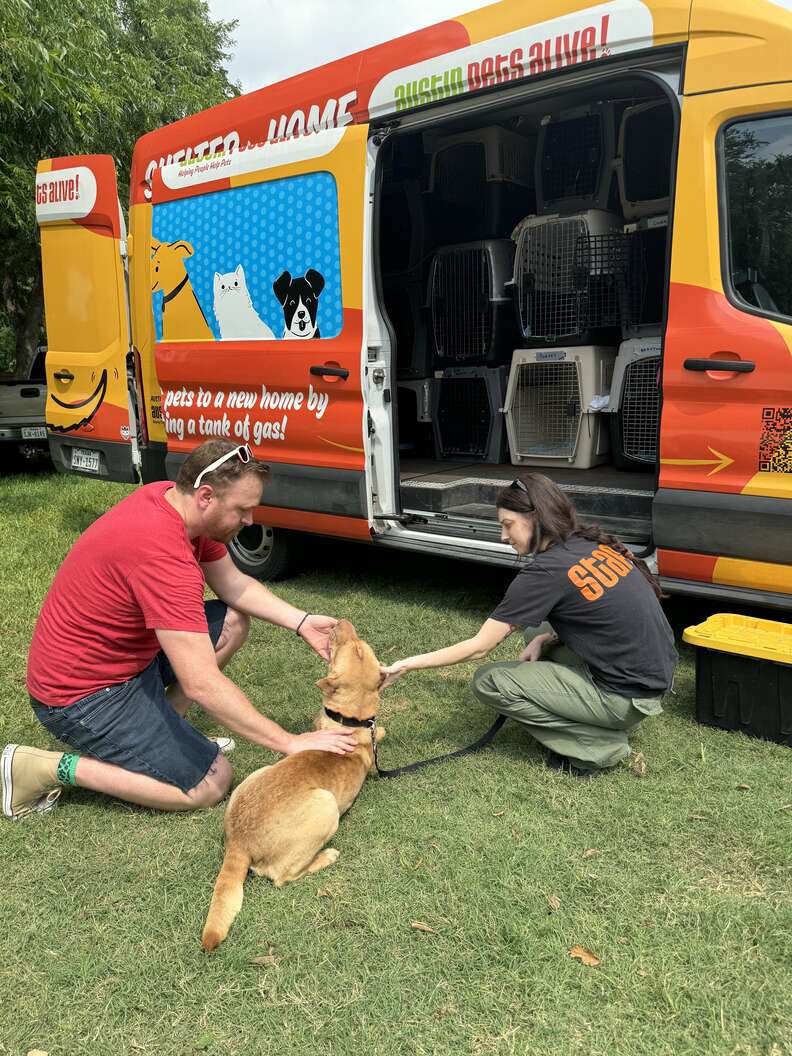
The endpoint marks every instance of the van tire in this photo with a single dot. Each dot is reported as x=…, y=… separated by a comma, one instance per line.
x=265, y=553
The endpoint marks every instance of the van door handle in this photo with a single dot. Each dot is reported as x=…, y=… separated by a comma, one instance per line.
x=63, y=375
x=29, y=393
x=737, y=366
x=333, y=372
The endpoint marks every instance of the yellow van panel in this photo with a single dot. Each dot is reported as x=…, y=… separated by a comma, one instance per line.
x=738, y=42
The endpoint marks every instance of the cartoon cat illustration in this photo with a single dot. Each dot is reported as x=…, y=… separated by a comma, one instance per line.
x=234, y=311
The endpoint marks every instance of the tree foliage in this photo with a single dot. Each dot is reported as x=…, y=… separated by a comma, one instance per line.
x=89, y=77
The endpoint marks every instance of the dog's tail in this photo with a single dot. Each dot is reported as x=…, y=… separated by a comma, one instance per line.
x=227, y=898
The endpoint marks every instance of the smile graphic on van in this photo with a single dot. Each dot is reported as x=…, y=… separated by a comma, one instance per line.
x=89, y=406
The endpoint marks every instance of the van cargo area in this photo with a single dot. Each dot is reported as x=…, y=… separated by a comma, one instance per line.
x=523, y=269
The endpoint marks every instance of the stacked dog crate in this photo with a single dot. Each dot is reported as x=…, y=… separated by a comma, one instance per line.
x=583, y=282
x=480, y=182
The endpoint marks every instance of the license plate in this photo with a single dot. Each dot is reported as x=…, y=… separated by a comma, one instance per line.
x=34, y=432
x=82, y=459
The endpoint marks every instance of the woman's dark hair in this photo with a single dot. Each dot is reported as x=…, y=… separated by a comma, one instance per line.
x=556, y=520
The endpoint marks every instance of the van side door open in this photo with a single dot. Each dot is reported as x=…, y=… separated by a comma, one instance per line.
x=256, y=273
x=90, y=412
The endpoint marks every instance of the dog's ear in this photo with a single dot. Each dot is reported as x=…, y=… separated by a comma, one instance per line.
x=327, y=685
x=280, y=286
x=315, y=280
x=184, y=249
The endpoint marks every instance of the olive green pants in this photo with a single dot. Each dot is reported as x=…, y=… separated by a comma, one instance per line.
x=557, y=702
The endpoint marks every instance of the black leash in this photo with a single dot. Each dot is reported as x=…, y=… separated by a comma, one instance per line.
x=371, y=723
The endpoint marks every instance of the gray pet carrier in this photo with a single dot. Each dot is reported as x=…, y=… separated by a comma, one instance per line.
x=574, y=159
x=567, y=278
x=635, y=404
x=471, y=310
x=467, y=414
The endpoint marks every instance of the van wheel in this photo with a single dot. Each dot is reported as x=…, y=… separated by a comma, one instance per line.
x=264, y=552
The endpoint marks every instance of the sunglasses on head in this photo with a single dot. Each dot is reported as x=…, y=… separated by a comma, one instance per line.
x=243, y=453
x=520, y=486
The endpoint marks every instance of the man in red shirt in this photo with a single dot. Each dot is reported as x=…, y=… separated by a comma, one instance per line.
x=125, y=643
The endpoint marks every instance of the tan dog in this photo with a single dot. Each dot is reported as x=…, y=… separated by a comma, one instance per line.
x=182, y=315
x=281, y=816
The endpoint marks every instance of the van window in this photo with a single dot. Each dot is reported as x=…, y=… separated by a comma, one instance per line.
x=262, y=262
x=757, y=158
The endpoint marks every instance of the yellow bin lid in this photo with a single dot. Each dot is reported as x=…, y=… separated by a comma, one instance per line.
x=728, y=633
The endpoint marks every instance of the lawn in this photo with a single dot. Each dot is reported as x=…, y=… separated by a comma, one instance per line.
x=678, y=881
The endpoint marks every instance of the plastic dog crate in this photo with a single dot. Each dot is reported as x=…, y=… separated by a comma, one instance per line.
x=634, y=408
x=568, y=278
x=574, y=159
x=644, y=277
x=549, y=419
x=646, y=139
x=467, y=414
x=414, y=405
x=405, y=304
x=480, y=182
x=471, y=310
x=744, y=675
x=403, y=229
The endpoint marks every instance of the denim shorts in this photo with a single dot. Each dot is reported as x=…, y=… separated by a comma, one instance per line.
x=133, y=725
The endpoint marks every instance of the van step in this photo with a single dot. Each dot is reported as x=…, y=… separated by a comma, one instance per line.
x=476, y=520
x=598, y=502
x=633, y=528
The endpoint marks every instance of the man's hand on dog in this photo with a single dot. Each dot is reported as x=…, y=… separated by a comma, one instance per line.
x=315, y=631
x=334, y=741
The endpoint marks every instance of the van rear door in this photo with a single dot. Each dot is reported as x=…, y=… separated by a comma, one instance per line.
x=256, y=270
x=89, y=414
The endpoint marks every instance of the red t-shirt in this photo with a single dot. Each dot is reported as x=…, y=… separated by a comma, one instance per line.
x=132, y=572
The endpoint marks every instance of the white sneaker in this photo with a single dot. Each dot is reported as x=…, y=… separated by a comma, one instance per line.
x=225, y=744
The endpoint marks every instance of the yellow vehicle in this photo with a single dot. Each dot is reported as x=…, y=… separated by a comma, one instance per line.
x=535, y=235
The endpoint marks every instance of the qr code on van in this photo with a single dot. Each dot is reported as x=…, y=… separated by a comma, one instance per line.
x=775, y=447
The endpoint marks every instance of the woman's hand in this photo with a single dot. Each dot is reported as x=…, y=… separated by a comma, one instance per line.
x=391, y=674
x=533, y=650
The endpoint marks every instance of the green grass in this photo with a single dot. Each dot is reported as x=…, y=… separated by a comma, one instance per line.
x=687, y=901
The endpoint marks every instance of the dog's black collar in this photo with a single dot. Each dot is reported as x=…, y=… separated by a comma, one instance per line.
x=345, y=720
x=175, y=290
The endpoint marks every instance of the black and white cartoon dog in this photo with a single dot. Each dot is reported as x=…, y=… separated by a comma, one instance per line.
x=299, y=298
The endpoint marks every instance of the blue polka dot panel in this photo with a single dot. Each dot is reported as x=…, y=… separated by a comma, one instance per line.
x=249, y=263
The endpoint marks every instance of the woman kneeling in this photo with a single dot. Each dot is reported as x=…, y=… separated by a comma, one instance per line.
x=599, y=652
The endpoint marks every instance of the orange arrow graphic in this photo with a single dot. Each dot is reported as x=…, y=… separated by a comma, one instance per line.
x=720, y=461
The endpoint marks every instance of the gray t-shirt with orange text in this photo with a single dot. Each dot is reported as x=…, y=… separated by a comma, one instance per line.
x=602, y=607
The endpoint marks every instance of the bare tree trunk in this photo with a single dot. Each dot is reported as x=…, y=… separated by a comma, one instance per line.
x=28, y=329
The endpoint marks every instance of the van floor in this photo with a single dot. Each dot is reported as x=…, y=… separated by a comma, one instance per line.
x=459, y=496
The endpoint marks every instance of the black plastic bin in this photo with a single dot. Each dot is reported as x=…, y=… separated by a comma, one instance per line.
x=744, y=675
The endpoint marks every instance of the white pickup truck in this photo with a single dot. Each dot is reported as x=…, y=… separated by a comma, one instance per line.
x=22, y=400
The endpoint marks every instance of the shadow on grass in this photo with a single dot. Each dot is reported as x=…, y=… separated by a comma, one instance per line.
x=413, y=578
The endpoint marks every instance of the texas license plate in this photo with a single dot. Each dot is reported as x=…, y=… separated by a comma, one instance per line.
x=34, y=432
x=82, y=459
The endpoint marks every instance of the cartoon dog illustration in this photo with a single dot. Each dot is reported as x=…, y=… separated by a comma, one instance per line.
x=182, y=315
x=298, y=298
